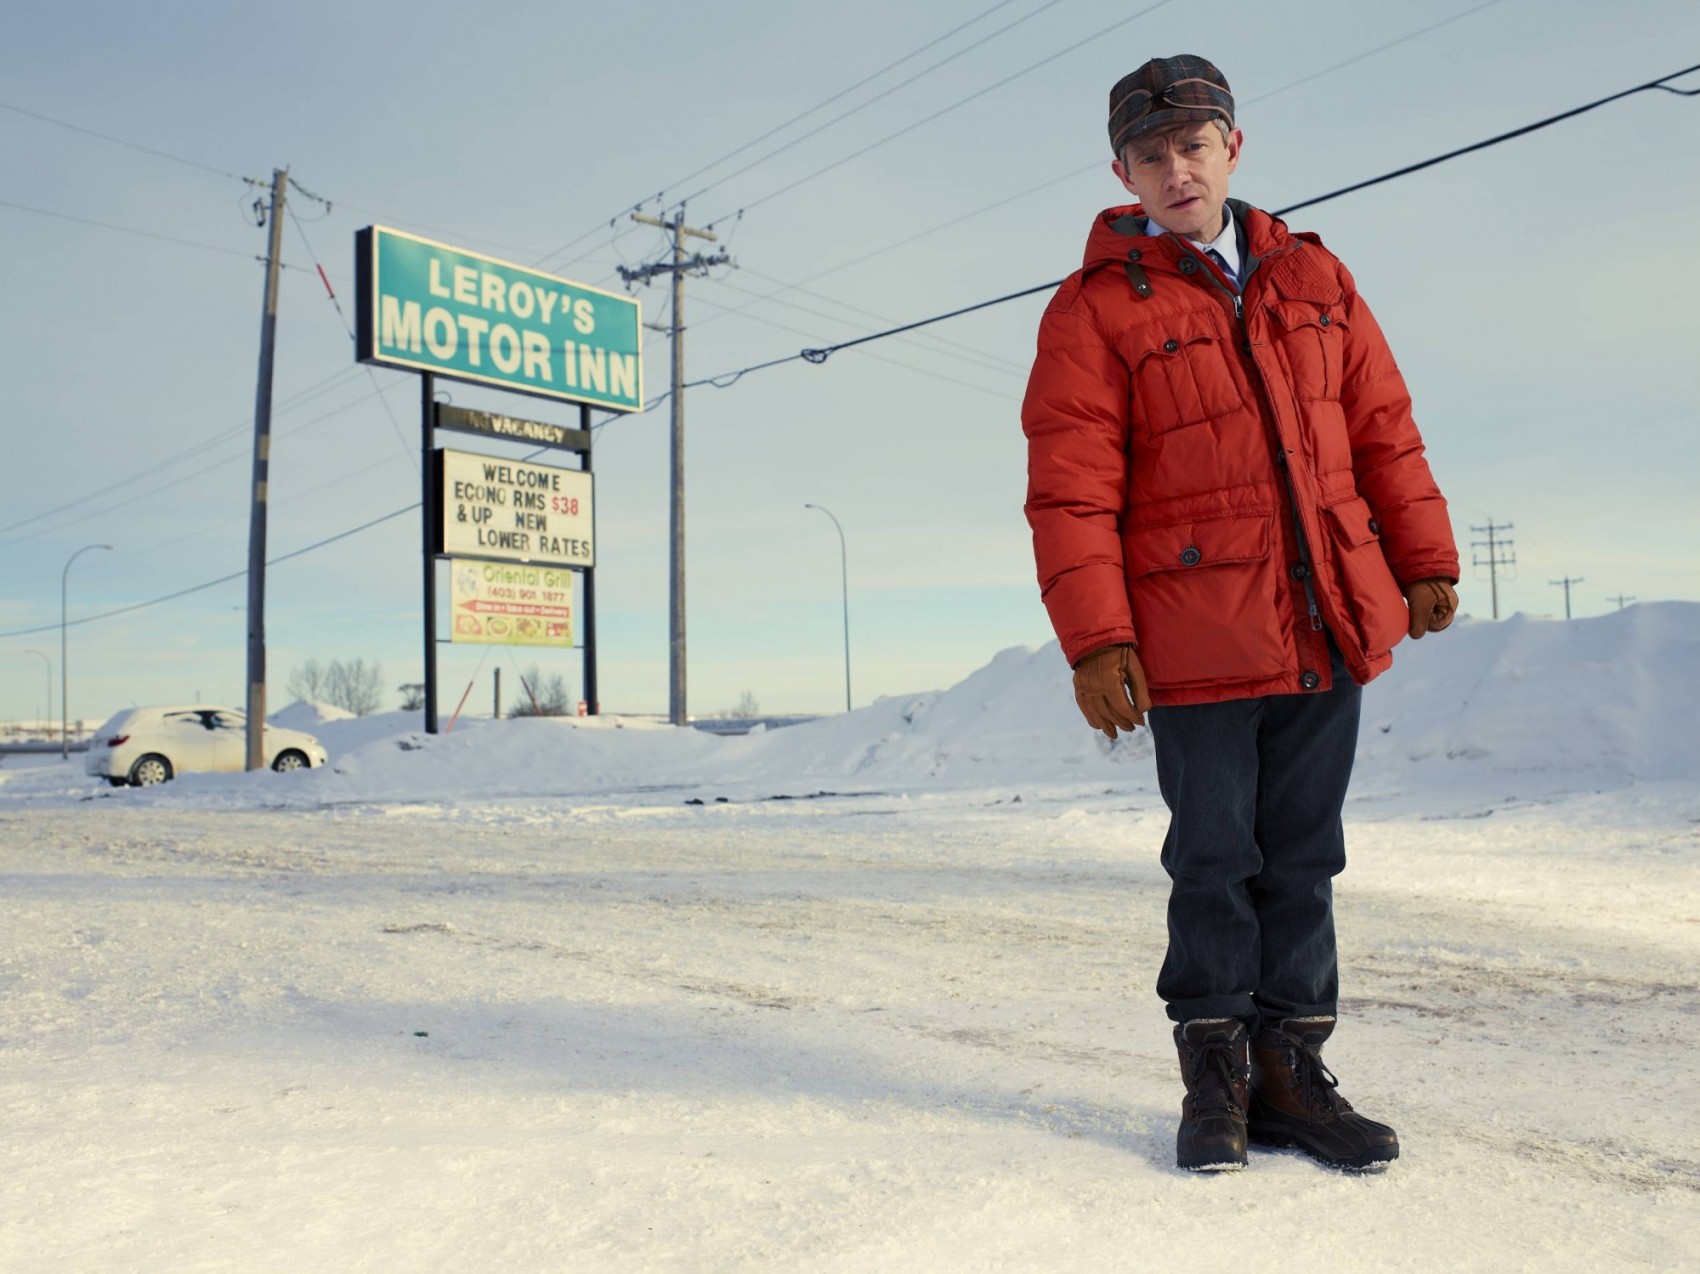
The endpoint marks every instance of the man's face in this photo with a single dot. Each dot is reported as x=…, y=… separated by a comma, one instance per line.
x=1180, y=175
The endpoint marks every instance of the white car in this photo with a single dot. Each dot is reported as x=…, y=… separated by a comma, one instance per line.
x=149, y=745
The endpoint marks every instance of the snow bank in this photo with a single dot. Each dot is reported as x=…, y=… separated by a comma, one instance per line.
x=1012, y=721
x=523, y=756
x=1606, y=700
x=1590, y=702
x=344, y=734
x=1548, y=706
x=309, y=715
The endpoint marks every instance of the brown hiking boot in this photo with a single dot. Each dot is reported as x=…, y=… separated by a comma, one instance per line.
x=1295, y=1102
x=1218, y=1084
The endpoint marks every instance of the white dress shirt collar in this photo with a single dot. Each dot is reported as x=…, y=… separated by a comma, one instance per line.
x=1226, y=244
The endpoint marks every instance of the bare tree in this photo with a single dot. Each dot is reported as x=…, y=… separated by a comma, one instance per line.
x=540, y=695
x=308, y=681
x=748, y=706
x=412, y=695
x=351, y=686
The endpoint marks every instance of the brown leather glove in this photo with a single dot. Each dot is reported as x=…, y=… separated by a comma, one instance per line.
x=1432, y=603
x=1109, y=686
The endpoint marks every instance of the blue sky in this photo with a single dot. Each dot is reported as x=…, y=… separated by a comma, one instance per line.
x=1537, y=296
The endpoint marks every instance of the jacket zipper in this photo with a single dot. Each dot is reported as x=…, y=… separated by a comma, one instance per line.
x=1306, y=558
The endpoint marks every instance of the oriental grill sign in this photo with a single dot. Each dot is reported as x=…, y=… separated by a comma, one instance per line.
x=510, y=604
x=424, y=306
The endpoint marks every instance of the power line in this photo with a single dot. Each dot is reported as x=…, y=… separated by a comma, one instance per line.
x=205, y=469
x=862, y=106
x=964, y=346
x=222, y=172
x=222, y=579
x=119, y=141
x=1368, y=53
x=1504, y=137
x=294, y=497
x=143, y=234
x=821, y=355
x=958, y=219
x=290, y=499
x=865, y=80
x=954, y=106
x=893, y=362
x=299, y=399
x=727, y=379
x=204, y=167
x=348, y=328
x=957, y=350
x=821, y=105
x=457, y=235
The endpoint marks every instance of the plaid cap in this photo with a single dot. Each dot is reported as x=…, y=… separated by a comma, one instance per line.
x=1184, y=89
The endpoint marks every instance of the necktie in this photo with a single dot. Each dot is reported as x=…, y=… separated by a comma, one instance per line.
x=1218, y=259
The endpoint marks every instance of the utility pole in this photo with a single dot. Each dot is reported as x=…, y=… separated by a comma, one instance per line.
x=678, y=267
x=1565, y=584
x=1494, y=560
x=1621, y=600
x=262, y=468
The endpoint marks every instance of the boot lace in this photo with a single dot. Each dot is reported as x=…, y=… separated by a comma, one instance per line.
x=1214, y=1061
x=1317, y=1084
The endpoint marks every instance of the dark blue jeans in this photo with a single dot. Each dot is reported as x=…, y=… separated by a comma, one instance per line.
x=1254, y=789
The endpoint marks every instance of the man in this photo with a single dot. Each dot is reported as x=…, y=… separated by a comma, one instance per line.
x=1234, y=524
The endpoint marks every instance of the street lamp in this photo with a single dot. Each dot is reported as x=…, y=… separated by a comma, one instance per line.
x=47, y=703
x=64, y=667
x=844, y=575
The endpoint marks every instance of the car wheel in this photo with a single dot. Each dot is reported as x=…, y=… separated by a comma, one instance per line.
x=290, y=760
x=150, y=769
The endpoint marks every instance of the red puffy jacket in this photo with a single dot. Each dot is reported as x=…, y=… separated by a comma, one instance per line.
x=1215, y=478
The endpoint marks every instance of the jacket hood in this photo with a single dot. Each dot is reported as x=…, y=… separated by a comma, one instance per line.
x=1116, y=231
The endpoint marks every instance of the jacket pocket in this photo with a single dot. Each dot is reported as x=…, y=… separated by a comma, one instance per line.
x=1183, y=377
x=1205, y=600
x=1311, y=341
x=1372, y=596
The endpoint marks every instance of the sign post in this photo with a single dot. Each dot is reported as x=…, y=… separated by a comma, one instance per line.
x=438, y=310
x=590, y=692
x=428, y=519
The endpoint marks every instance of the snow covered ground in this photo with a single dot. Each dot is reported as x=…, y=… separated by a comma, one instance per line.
x=869, y=993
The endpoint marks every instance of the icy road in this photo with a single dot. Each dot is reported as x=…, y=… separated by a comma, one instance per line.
x=881, y=1032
